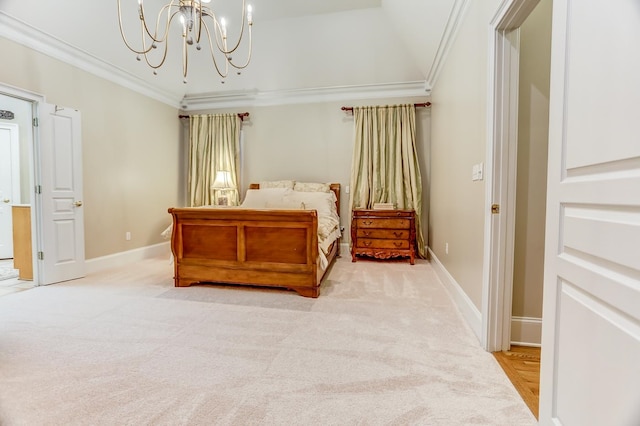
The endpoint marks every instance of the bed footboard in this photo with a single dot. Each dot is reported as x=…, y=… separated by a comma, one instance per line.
x=273, y=248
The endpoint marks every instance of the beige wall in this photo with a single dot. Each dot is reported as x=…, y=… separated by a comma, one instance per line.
x=533, y=139
x=131, y=149
x=458, y=141
x=314, y=142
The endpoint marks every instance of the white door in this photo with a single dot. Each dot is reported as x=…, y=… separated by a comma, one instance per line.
x=9, y=184
x=591, y=330
x=61, y=252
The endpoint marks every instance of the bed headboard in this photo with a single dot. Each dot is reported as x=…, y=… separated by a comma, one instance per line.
x=335, y=187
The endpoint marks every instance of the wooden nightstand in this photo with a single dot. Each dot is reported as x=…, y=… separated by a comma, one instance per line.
x=383, y=234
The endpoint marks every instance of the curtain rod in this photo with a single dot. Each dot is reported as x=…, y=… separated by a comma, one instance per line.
x=242, y=115
x=423, y=104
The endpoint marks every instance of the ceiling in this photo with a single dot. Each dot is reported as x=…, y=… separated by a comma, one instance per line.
x=327, y=49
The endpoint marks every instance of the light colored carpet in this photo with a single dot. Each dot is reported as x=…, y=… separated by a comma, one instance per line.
x=383, y=345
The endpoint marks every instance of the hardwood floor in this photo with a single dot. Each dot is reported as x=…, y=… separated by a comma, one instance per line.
x=522, y=366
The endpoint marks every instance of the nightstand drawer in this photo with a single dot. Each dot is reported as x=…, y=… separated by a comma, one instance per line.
x=389, y=223
x=382, y=244
x=389, y=234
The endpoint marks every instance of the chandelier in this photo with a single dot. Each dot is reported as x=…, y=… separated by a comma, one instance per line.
x=199, y=25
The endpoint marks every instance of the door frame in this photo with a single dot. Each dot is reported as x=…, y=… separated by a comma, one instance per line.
x=501, y=158
x=35, y=99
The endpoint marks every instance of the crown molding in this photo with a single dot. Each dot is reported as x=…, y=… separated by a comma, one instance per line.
x=20, y=32
x=304, y=96
x=448, y=37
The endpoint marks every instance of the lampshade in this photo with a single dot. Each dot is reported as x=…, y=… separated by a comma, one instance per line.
x=223, y=180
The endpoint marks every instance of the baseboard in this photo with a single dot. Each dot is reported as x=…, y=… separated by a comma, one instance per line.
x=526, y=331
x=127, y=257
x=469, y=312
x=345, y=250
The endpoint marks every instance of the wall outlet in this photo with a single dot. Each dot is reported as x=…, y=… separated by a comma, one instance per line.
x=477, y=172
x=446, y=248
x=347, y=189
x=127, y=236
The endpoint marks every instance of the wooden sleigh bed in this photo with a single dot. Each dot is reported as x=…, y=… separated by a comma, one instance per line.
x=255, y=247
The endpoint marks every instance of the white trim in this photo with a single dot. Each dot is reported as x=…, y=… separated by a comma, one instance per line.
x=127, y=257
x=448, y=37
x=345, y=249
x=20, y=32
x=502, y=116
x=466, y=307
x=35, y=99
x=526, y=331
x=16, y=92
x=304, y=96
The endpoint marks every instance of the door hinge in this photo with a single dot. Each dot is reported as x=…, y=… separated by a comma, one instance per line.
x=35, y=122
x=495, y=208
x=38, y=189
x=40, y=255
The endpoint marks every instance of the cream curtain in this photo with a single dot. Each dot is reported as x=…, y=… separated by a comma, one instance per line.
x=385, y=162
x=214, y=144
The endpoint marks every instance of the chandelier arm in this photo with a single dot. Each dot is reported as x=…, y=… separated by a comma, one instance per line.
x=124, y=38
x=240, y=67
x=185, y=56
x=164, y=58
x=244, y=12
x=218, y=31
x=200, y=20
x=166, y=48
x=166, y=8
x=213, y=58
x=154, y=37
x=145, y=29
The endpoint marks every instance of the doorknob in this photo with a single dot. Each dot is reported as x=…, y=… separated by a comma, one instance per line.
x=6, y=200
x=78, y=203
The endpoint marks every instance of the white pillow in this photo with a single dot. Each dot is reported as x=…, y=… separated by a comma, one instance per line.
x=311, y=187
x=276, y=184
x=258, y=198
x=322, y=202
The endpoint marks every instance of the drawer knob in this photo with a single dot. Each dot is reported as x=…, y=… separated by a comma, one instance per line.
x=366, y=233
x=366, y=243
x=397, y=234
x=397, y=243
x=367, y=222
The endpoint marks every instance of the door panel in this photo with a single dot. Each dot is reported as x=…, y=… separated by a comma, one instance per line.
x=9, y=184
x=603, y=60
x=591, y=336
x=591, y=327
x=61, y=195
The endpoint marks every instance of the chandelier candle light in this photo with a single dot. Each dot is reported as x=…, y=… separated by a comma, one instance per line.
x=199, y=23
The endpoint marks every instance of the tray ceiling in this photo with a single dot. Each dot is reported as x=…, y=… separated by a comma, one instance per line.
x=341, y=47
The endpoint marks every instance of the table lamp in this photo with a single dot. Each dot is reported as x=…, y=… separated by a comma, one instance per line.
x=223, y=184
